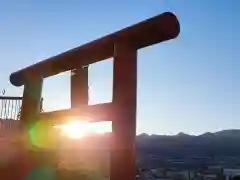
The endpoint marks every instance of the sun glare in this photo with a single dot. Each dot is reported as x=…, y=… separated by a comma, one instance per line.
x=78, y=129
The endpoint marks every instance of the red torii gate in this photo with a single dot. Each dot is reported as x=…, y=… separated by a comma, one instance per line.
x=122, y=46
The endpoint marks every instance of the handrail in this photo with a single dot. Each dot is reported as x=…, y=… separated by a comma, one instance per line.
x=11, y=98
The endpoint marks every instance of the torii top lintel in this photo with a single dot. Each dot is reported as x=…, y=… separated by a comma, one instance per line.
x=151, y=31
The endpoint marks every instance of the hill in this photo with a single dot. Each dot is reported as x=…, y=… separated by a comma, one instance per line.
x=222, y=143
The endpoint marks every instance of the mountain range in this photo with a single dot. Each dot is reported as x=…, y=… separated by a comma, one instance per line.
x=222, y=143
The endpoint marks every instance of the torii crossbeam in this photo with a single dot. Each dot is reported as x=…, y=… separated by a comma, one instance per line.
x=122, y=46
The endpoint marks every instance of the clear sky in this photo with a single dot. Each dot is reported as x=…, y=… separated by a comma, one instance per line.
x=190, y=84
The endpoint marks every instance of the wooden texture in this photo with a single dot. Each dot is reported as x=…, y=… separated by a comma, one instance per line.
x=146, y=33
x=124, y=124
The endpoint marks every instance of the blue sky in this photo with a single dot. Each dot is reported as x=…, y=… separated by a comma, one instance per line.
x=189, y=84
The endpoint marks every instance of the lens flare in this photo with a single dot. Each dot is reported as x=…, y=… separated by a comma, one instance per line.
x=41, y=135
x=79, y=129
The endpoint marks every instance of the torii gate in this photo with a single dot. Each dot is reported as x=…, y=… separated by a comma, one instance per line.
x=122, y=46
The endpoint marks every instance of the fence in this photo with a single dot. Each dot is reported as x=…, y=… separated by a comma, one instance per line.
x=10, y=107
x=10, y=110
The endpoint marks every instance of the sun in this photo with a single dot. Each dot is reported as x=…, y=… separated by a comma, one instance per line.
x=76, y=129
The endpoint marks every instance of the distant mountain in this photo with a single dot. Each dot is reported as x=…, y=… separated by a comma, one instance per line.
x=223, y=133
x=181, y=134
x=221, y=143
x=228, y=133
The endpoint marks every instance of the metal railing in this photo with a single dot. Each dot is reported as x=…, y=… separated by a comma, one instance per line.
x=10, y=111
x=10, y=107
